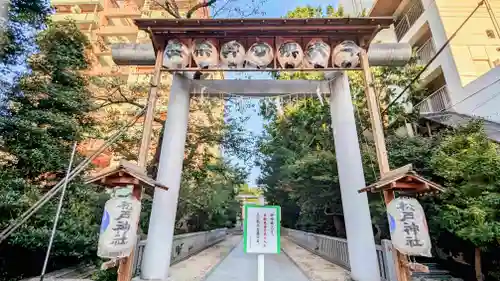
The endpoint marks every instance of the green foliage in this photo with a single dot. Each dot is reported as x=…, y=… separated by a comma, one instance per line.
x=299, y=171
x=298, y=162
x=106, y=275
x=469, y=163
x=43, y=114
x=23, y=18
x=208, y=201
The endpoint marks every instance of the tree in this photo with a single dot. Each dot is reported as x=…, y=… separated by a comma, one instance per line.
x=297, y=154
x=469, y=163
x=41, y=116
x=230, y=8
x=18, y=26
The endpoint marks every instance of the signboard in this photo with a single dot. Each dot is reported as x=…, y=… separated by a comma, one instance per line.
x=119, y=227
x=262, y=229
x=408, y=227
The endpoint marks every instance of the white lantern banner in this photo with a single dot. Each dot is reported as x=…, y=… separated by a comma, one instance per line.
x=408, y=227
x=232, y=54
x=317, y=54
x=346, y=55
x=205, y=54
x=176, y=55
x=259, y=55
x=290, y=54
x=119, y=227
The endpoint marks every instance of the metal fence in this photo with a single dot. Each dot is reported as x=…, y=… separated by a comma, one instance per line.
x=183, y=246
x=335, y=250
x=436, y=102
x=426, y=52
x=406, y=21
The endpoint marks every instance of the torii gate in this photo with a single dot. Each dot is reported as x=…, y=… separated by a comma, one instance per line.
x=361, y=246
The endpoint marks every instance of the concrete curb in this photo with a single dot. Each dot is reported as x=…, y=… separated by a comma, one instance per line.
x=295, y=263
x=220, y=262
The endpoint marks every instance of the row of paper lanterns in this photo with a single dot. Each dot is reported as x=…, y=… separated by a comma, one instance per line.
x=232, y=54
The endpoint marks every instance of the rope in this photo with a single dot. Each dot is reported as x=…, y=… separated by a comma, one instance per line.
x=78, y=169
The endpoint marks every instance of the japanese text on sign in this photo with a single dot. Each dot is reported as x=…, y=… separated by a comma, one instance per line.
x=118, y=227
x=408, y=226
x=262, y=229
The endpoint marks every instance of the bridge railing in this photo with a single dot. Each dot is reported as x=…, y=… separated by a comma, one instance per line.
x=183, y=246
x=335, y=250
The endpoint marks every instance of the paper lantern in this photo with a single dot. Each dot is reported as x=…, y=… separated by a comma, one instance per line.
x=205, y=54
x=176, y=55
x=346, y=55
x=232, y=54
x=259, y=55
x=290, y=54
x=118, y=232
x=317, y=54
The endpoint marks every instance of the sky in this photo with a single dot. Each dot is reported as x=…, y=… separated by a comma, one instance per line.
x=273, y=9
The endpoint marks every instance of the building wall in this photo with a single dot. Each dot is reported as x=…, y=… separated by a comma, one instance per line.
x=468, y=62
x=474, y=51
x=105, y=22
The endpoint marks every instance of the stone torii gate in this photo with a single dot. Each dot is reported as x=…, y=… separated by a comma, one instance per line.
x=361, y=246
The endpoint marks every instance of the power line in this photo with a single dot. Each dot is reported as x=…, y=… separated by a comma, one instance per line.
x=434, y=57
x=473, y=94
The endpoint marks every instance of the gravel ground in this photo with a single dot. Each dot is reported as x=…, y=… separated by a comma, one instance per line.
x=196, y=267
x=315, y=267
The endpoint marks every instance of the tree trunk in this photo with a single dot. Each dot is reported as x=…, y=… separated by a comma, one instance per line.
x=339, y=225
x=477, y=260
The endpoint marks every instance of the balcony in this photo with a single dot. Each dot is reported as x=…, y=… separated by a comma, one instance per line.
x=426, y=52
x=123, y=30
x=436, y=102
x=78, y=18
x=77, y=2
x=123, y=13
x=408, y=18
x=109, y=71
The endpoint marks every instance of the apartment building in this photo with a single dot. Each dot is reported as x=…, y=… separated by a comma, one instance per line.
x=464, y=79
x=111, y=21
x=106, y=22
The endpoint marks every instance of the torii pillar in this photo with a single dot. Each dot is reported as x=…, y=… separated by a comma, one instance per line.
x=156, y=259
x=361, y=244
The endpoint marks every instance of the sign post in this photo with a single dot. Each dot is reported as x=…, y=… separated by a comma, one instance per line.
x=261, y=233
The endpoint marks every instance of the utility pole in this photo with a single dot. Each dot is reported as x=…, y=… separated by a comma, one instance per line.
x=402, y=271
x=126, y=264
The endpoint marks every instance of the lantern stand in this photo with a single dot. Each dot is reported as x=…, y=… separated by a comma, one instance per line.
x=403, y=181
x=123, y=175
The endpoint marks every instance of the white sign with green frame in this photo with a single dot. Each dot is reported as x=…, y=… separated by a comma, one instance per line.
x=262, y=229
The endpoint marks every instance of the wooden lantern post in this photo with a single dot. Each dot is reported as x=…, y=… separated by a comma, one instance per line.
x=405, y=182
x=125, y=174
x=402, y=271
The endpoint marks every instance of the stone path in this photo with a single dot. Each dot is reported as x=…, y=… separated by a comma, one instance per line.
x=196, y=267
x=315, y=267
x=238, y=266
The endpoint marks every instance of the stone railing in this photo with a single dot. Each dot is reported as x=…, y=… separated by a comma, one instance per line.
x=335, y=250
x=184, y=246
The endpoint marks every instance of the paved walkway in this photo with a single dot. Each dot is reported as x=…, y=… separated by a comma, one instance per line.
x=238, y=266
x=196, y=267
x=316, y=268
